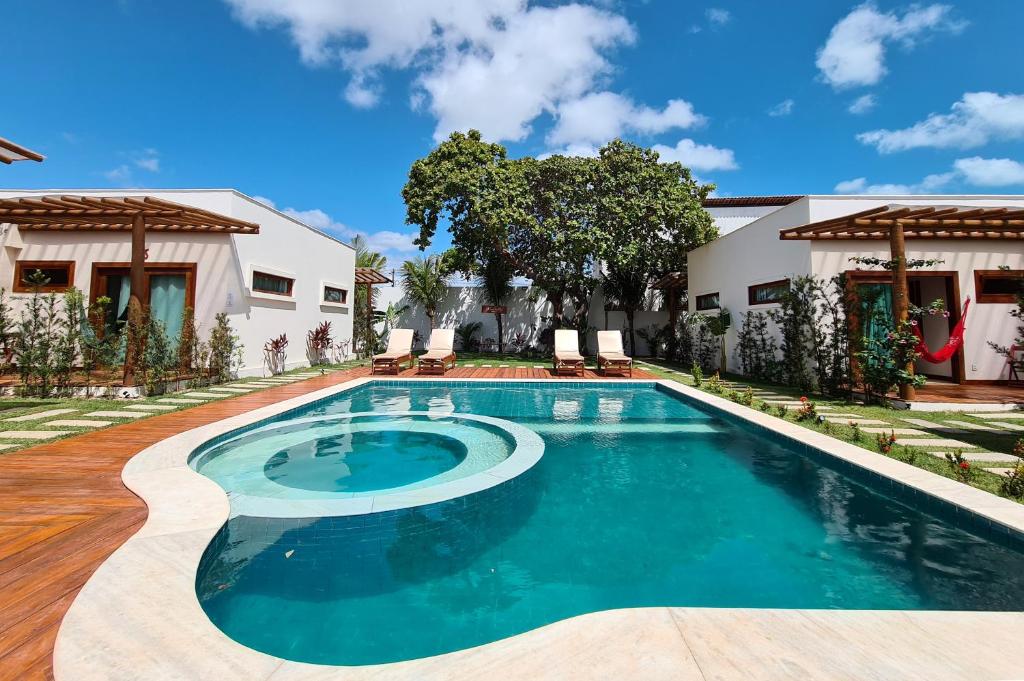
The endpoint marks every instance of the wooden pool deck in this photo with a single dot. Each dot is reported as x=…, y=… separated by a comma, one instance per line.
x=64, y=510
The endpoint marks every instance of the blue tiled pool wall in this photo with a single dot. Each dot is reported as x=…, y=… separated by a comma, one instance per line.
x=915, y=498
x=347, y=553
x=957, y=516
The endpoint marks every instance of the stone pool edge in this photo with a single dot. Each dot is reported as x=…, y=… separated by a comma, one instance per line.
x=138, y=617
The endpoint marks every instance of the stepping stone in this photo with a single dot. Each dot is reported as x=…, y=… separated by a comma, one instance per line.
x=41, y=415
x=541, y=366
x=895, y=431
x=486, y=366
x=1007, y=426
x=33, y=434
x=79, y=423
x=847, y=414
x=151, y=407
x=982, y=456
x=999, y=471
x=180, y=400
x=791, y=403
x=469, y=366
x=939, y=442
x=7, y=446
x=200, y=394
x=1001, y=415
x=118, y=414
x=972, y=426
x=503, y=366
x=860, y=422
x=230, y=390
x=938, y=427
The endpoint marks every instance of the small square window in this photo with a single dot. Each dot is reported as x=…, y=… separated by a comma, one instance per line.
x=271, y=283
x=763, y=294
x=58, y=275
x=708, y=301
x=333, y=294
x=998, y=286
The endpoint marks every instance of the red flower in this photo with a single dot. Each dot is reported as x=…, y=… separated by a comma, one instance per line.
x=803, y=399
x=965, y=465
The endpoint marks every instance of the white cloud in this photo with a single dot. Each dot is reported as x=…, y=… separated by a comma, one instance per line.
x=599, y=117
x=862, y=104
x=124, y=174
x=783, y=108
x=854, y=53
x=700, y=157
x=930, y=184
x=495, y=65
x=977, y=171
x=990, y=172
x=718, y=16
x=974, y=120
x=391, y=244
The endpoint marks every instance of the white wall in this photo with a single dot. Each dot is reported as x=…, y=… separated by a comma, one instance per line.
x=222, y=263
x=755, y=254
x=730, y=218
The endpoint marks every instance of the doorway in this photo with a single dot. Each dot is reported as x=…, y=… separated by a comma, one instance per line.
x=169, y=288
x=871, y=293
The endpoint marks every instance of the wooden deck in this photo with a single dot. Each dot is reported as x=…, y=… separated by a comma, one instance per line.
x=63, y=510
x=969, y=393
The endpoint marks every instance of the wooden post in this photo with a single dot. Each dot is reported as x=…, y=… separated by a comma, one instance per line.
x=138, y=285
x=900, y=293
x=369, y=320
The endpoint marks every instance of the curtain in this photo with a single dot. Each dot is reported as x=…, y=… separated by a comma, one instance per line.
x=123, y=294
x=167, y=301
x=875, y=302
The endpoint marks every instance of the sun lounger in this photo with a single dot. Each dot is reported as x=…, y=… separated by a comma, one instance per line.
x=610, y=356
x=567, y=357
x=399, y=351
x=440, y=355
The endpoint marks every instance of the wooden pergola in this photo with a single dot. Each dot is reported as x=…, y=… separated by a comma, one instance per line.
x=135, y=214
x=11, y=152
x=368, y=277
x=672, y=284
x=897, y=223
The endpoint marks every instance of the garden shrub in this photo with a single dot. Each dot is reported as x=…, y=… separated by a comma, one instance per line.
x=757, y=348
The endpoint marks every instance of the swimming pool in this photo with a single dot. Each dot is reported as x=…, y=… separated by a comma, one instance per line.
x=641, y=498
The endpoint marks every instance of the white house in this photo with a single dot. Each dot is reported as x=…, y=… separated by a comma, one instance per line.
x=744, y=268
x=287, y=278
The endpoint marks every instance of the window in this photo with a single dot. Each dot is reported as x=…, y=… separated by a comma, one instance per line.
x=998, y=286
x=60, y=274
x=708, y=301
x=333, y=294
x=772, y=292
x=271, y=283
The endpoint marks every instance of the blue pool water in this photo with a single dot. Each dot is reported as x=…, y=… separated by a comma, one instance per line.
x=641, y=499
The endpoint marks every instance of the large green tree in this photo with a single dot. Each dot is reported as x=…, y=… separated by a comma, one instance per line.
x=365, y=296
x=536, y=216
x=650, y=214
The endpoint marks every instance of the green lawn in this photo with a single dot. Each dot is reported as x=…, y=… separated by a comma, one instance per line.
x=986, y=441
x=12, y=407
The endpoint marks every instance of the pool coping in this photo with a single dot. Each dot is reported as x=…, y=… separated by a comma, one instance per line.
x=528, y=449
x=121, y=626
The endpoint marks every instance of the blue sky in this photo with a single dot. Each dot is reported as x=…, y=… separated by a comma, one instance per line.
x=321, y=106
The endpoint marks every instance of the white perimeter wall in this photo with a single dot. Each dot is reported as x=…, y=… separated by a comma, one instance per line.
x=755, y=254
x=223, y=263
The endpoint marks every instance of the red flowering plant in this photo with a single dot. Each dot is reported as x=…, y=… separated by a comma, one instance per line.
x=961, y=467
x=807, y=410
x=886, y=442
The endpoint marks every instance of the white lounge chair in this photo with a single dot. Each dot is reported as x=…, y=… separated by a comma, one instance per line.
x=440, y=353
x=398, y=352
x=610, y=355
x=567, y=357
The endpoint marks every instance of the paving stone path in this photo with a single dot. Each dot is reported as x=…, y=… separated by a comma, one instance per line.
x=40, y=415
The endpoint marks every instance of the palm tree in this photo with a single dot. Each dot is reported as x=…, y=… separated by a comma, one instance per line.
x=366, y=258
x=627, y=290
x=496, y=279
x=424, y=281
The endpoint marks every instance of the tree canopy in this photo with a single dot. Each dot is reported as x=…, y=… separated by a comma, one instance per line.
x=554, y=220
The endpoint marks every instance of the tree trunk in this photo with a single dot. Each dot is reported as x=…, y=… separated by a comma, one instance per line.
x=632, y=336
x=501, y=333
x=557, y=305
x=900, y=296
x=430, y=318
x=137, y=277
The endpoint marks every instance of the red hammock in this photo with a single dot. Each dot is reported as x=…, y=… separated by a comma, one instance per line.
x=956, y=339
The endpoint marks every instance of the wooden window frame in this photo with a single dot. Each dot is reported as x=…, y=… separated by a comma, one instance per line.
x=287, y=294
x=21, y=267
x=1004, y=298
x=344, y=295
x=699, y=307
x=101, y=270
x=751, y=297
